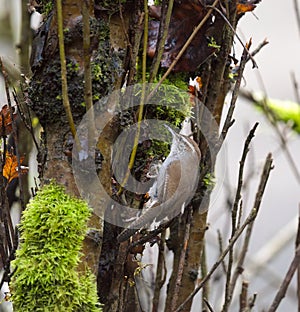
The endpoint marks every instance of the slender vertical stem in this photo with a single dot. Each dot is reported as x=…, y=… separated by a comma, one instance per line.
x=163, y=32
x=88, y=89
x=182, y=260
x=64, y=84
x=143, y=96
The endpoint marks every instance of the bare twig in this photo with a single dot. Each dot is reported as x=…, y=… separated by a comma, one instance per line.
x=250, y=219
x=221, y=249
x=208, y=305
x=161, y=272
x=296, y=87
x=230, y=286
x=163, y=32
x=286, y=282
x=229, y=121
x=28, y=124
x=182, y=259
x=297, y=11
x=152, y=234
x=257, y=49
x=240, y=176
x=142, y=100
x=244, y=296
x=205, y=292
x=252, y=301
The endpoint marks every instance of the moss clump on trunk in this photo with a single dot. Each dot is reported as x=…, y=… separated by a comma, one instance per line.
x=46, y=276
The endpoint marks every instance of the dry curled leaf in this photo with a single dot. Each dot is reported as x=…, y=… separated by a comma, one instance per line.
x=185, y=17
x=6, y=121
x=245, y=7
x=10, y=169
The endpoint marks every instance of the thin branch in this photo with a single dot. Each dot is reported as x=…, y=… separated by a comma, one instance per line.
x=142, y=100
x=203, y=267
x=208, y=305
x=221, y=249
x=163, y=32
x=250, y=219
x=147, y=238
x=229, y=286
x=297, y=11
x=64, y=84
x=88, y=89
x=161, y=272
x=252, y=301
x=296, y=87
x=182, y=259
x=257, y=50
x=286, y=282
x=238, y=233
x=229, y=121
x=28, y=125
x=239, y=266
x=244, y=296
x=240, y=176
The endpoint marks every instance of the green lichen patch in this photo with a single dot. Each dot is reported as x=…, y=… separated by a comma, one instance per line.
x=44, y=90
x=46, y=278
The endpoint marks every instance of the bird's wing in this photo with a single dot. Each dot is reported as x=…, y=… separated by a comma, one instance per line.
x=169, y=181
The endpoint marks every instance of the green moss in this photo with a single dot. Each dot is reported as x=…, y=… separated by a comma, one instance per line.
x=170, y=103
x=46, y=278
x=174, y=99
x=209, y=181
x=45, y=87
x=213, y=44
x=46, y=6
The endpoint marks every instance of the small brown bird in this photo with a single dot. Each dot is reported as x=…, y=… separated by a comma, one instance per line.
x=174, y=186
